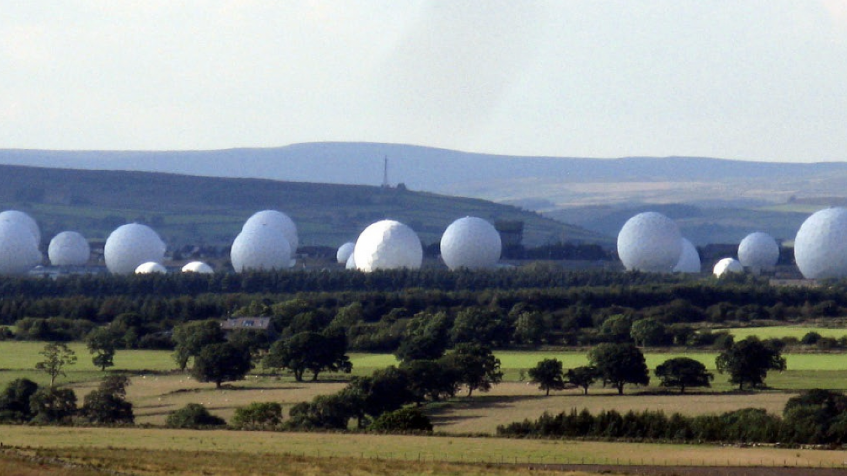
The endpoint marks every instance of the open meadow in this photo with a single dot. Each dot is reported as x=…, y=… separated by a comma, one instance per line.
x=778, y=332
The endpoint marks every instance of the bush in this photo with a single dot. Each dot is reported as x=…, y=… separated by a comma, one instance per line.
x=193, y=415
x=107, y=404
x=14, y=401
x=258, y=416
x=53, y=405
x=402, y=420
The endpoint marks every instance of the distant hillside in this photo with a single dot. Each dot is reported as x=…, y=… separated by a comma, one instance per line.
x=205, y=210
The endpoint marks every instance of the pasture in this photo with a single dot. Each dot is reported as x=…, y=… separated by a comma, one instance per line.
x=778, y=332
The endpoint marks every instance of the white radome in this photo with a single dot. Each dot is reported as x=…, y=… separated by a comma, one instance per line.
x=471, y=243
x=727, y=265
x=351, y=262
x=197, y=267
x=758, y=251
x=388, y=244
x=130, y=246
x=820, y=247
x=150, y=268
x=18, y=250
x=651, y=242
x=689, y=259
x=278, y=221
x=68, y=248
x=344, y=252
x=26, y=220
x=260, y=248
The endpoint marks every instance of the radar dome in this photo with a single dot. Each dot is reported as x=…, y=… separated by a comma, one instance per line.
x=18, y=250
x=344, y=252
x=26, y=220
x=471, y=243
x=260, y=248
x=758, y=251
x=820, y=247
x=68, y=248
x=351, y=262
x=650, y=241
x=197, y=267
x=727, y=265
x=278, y=221
x=150, y=268
x=130, y=246
x=689, y=259
x=388, y=244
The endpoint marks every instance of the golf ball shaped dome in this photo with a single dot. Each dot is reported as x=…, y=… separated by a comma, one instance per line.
x=758, y=251
x=820, y=247
x=130, y=246
x=689, y=259
x=344, y=252
x=278, y=221
x=388, y=244
x=351, y=262
x=150, y=268
x=471, y=243
x=260, y=248
x=24, y=219
x=18, y=250
x=197, y=267
x=651, y=242
x=68, y=248
x=727, y=265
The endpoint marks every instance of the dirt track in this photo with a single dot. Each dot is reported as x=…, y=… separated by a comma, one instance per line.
x=699, y=470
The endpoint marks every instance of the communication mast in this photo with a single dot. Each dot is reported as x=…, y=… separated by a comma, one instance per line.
x=385, y=173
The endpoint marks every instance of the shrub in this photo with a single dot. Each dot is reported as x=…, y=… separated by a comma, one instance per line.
x=258, y=416
x=402, y=420
x=14, y=401
x=53, y=405
x=193, y=415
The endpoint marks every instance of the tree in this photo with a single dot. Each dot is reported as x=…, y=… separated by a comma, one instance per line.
x=14, y=401
x=102, y=342
x=749, y=361
x=648, y=332
x=431, y=379
x=427, y=337
x=258, y=415
x=193, y=415
x=403, y=420
x=383, y=391
x=620, y=364
x=310, y=351
x=107, y=404
x=476, y=366
x=582, y=377
x=548, y=375
x=530, y=328
x=56, y=357
x=221, y=363
x=189, y=339
x=683, y=372
x=53, y=405
x=484, y=327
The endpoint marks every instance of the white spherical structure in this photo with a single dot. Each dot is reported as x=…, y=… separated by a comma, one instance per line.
x=758, y=251
x=727, y=265
x=197, y=267
x=820, y=247
x=26, y=220
x=130, y=246
x=651, y=242
x=278, y=221
x=388, y=244
x=68, y=248
x=689, y=259
x=150, y=268
x=18, y=250
x=260, y=248
x=351, y=262
x=344, y=252
x=471, y=243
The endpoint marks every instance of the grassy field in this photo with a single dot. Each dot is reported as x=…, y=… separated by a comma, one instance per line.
x=784, y=331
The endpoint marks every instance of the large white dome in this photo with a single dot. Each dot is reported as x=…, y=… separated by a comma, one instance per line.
x=344, y=252
x=820, y=247
x=26, y=220
x=260, y=248
x=351, y=262
x=18, y=250
x=131, y=245
x=68, y=248
x=727, y=265
x=758, y=251
x=388, y=244
x=150, y=267
x=650, y=241
x=471, y=243
x=197, y=267
x=689, y=259
x=278, y=221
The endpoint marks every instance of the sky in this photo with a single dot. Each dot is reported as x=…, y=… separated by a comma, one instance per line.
x=751, y=79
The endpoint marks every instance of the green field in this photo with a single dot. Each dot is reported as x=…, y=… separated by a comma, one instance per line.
x=777, y=332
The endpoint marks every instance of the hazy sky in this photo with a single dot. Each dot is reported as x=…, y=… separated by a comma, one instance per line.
x=759, y=80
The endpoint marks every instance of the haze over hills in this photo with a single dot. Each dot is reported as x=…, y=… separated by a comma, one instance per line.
x=724, y=199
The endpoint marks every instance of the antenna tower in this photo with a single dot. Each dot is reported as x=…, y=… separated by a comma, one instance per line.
x=385, y=173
